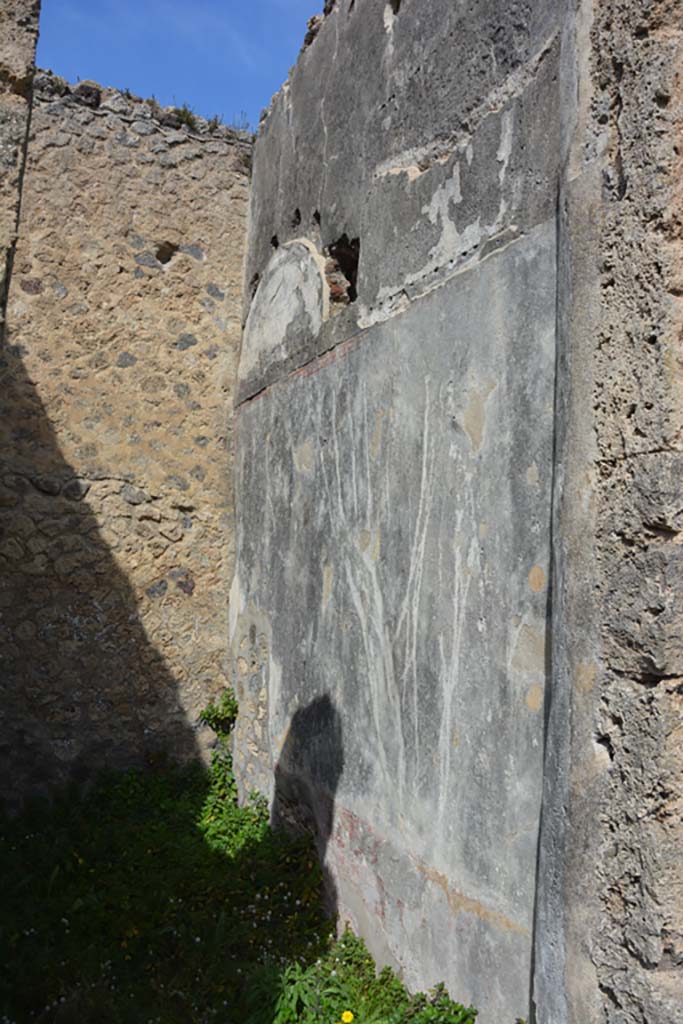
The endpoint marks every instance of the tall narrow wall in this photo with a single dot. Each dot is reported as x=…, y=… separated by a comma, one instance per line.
x=19, y=21
x=390, y=608
x=455, y=616
x=118, y=367
x=610, y=925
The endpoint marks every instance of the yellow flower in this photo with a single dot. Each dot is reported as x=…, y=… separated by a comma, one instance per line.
x=347, y=1017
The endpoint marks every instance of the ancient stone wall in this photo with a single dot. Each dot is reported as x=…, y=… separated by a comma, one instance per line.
x=455, y=616
x=18, y=39
x=121, y=347
x=389, y=615
x=454, y=621
x=610, y=926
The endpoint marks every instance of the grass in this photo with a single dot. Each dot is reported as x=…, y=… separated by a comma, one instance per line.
x=186, y=116
x=155, y=899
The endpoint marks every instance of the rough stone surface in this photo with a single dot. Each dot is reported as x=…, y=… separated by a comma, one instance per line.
x=19, y=21
x=610, y=926
x=116, y=500
x=455, y=620
x=527, y=154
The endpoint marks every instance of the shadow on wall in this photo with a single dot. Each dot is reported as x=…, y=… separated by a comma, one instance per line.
x=307, y=775
x=81, y=686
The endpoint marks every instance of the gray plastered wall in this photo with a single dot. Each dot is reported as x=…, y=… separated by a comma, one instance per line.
x=395, y=472
x=458, y=493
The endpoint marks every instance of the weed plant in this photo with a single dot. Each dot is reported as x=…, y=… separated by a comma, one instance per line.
x=186, y=116
x=156, y=899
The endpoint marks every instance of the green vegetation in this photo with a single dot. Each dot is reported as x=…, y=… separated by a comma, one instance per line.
x=60, y=85
x=186, y=115
x=155, y=899
x=221, y=716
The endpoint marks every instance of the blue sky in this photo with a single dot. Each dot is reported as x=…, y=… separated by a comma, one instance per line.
x=219, y=57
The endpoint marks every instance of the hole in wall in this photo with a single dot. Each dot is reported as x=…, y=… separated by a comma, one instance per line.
x=352, y=4
x=275, y=242
x=316, y=217
x=604, y=740
x=345, y=255
x=296, y=219
x=166, y=251
x=253, y=285
x=395, y=5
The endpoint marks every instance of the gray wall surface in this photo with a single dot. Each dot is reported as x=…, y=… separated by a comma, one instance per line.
x=401, y=519
x=455, y=621
x=395, y=476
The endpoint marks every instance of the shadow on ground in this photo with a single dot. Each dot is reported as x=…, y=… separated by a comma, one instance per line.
x=155, y=898
x=149, y=897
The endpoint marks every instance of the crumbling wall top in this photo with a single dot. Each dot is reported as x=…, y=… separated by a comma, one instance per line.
x=136, y=109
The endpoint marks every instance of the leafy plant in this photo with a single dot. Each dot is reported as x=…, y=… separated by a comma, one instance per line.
x=222, y=715
x=344, y=985
x=156, y=897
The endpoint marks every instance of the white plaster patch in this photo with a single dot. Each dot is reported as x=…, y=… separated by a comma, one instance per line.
x=505, y=147
x=413, y=162
x=304, y=457
x=291, y=299
x=236, y=606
